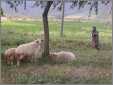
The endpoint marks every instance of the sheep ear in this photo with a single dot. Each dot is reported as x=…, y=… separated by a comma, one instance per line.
x=37, y=41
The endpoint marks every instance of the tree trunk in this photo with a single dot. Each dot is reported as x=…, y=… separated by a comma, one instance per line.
x=46, y=28
x=62, y=22
x=1, y=12
x=24, y=4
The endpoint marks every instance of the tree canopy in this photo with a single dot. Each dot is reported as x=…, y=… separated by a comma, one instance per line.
x=93, y=4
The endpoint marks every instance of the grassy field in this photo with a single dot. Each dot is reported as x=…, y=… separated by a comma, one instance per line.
x=91, y=66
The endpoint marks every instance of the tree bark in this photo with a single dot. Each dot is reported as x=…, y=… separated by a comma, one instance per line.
x=62, y=21
x=46, y=28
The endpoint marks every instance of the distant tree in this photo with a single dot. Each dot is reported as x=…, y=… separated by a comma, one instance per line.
x=62, y=23
x=56, y=4
x=1, y=12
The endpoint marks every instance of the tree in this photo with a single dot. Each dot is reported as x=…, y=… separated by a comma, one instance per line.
x=56, y=3
x=46, y=28
x=1, y=12
x=62, y=21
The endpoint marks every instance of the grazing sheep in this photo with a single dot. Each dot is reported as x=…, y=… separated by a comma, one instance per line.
x=28, y=51
x=10, y=55
x=62, y=56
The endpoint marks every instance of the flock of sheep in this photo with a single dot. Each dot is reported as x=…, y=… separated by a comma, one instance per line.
x=32, y=51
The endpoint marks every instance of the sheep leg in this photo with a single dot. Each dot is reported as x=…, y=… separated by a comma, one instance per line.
x=11, y=62
x=35, y=60
x=18, y=63
x=19, y=59
x=32, y=59
x=8, y=62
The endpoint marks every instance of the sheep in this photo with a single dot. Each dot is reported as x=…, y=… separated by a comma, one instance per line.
x=28, y=51
x=9, y=55
x=62, y=56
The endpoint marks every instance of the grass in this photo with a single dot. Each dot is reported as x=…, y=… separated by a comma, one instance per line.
x=91, y=66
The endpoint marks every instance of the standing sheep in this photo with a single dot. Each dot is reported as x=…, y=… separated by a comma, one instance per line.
x=28, y=51
x=10, y=55
x=62, y=56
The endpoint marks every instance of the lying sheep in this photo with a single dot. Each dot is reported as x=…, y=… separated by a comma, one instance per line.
x=10, y=55
x=28, y=51
x=62, y=56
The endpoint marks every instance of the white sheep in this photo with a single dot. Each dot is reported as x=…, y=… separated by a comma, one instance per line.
x=9, y=55
x=28, y=51
x=62, y=56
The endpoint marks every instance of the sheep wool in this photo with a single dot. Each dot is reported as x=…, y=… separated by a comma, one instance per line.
x=10, y=55
x=28, y=50
x=62, y=56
